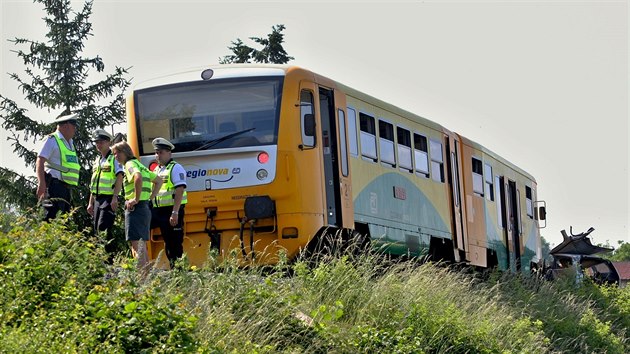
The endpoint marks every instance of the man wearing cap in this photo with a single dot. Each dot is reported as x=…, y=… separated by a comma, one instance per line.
x=168, y=210
x=57, y=168
x=105, y=186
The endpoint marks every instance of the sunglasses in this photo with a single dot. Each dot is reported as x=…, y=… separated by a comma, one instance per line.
x=73, y=122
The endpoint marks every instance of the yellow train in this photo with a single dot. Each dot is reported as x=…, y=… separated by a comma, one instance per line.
x=277, y=156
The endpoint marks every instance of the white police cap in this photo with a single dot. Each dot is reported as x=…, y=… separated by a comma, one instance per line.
x=67, y=118
x=101, y=134
x=162, y=144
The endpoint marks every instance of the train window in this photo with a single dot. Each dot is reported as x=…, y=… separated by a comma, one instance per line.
x=386, y=141
x=477, y=175
x=263, y=129
x=456, y=175
x=421, y=155
x=488, y=179
x=528, y=200
x=352, y=132
x=342, y=143
x=437, y=161
x=368, y=136
x=404, y=148
x=306, y=114
x=497, y=185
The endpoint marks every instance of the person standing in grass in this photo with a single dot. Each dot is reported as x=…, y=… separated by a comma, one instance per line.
x=168, y=210
x=57, y=168
x=141, y=186
x=105, y=187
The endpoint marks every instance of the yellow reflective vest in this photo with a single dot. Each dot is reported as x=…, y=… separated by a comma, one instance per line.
x=69, y=163
x=131, y=167
x=166, y=195
x=103, y=176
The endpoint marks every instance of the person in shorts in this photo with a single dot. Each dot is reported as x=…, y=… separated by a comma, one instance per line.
x=141, y=186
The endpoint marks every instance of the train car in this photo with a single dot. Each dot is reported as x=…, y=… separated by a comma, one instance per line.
x=278, y=157
x=500, y=200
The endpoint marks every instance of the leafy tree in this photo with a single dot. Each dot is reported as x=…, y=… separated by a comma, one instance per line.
x=272, y=50
x=545, y=248
x=57, y=81
x=622, y=253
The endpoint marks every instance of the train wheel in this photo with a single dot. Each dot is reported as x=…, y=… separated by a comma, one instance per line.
x=333, y=242
x=356, y=243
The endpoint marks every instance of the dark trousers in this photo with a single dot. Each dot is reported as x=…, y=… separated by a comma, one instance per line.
x=59, y=198
x=173, y=235
x=103, y=220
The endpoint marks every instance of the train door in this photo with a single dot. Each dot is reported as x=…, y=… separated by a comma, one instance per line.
x=454, y=173
x=347, y=205
x=509, y=197
x=334, y=214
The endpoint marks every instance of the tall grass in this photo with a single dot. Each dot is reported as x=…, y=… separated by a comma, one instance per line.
x=584, y=317
x=59, y=295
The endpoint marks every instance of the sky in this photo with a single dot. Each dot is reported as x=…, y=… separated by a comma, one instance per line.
x=542, y=83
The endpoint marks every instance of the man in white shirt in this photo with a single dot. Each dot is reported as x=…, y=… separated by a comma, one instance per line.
x=105, y=187
x=168, y=207
x=57, y=168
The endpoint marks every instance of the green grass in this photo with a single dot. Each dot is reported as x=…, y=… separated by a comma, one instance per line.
x=58, y=295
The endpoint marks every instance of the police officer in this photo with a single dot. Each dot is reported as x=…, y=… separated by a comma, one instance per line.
x=105, y=186
x=57, y=168
x=168, y=210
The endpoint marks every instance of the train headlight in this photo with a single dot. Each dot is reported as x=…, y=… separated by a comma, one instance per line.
x=263, y=157
x=262, y=174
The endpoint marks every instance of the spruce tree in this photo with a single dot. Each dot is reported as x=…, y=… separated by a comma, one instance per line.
x=242, y=53
x=57, y=81
x=272, y=50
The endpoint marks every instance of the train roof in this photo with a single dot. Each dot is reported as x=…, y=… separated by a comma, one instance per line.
x=219, y=71
x=244, y=70
x=495, y=156
x=389, y=107
x=429, y=123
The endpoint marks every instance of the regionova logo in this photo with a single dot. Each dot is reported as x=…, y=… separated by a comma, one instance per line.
x=215, y=174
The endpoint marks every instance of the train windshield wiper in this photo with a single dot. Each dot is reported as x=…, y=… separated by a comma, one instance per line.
x=214, y=142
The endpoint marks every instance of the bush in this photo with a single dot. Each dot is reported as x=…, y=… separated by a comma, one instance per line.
x=56, y=298
x=37, y=261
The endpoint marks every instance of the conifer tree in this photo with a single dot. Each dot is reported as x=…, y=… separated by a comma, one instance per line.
x=272, y=50
x=58, y=79
x=242, y=53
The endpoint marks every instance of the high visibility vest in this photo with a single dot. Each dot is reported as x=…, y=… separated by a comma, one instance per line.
x=103, y=176
x=166, y=195
x=69, y=163
x=134, y=165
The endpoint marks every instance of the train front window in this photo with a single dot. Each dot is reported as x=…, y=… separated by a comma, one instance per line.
x=210, y=114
